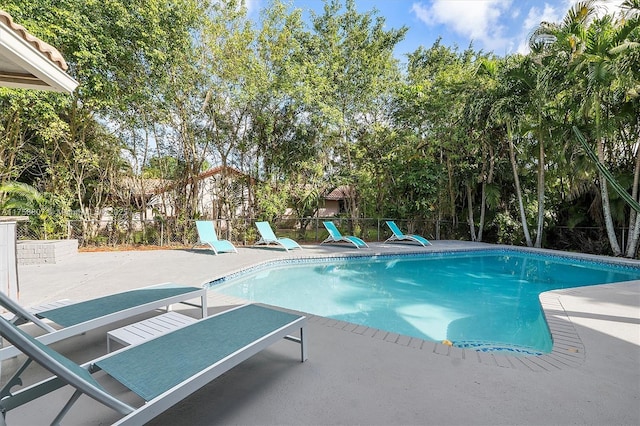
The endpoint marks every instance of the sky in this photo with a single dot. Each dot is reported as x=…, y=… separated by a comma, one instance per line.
x=498, y=26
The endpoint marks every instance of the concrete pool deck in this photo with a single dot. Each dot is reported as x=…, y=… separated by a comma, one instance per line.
x=355, y=376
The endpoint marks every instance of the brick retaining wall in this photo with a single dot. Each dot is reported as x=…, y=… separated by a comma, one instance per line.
x=31, y=252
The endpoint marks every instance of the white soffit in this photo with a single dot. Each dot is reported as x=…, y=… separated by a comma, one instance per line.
x=27, y=62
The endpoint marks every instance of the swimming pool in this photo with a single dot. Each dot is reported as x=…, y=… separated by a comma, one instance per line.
x=486, y=300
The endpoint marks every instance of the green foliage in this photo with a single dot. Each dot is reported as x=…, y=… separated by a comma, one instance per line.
x=509, y=230
x=50, y=222
x=166, y=167
x=48, y=213
x=270, y=201
x=169, y=88
x=16, y=197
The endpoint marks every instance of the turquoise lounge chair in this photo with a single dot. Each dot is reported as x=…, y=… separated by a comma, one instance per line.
x=77, y=318
x=397, y=235
x=267, y=236
x=335, y=236
x=162, y=371
x=207, y=237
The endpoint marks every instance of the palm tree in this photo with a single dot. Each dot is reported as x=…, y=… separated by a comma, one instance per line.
x=529, y=80
x=506, y=111
x=17, y=196
x=591, y=48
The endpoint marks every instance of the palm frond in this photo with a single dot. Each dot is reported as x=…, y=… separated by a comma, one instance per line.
x=580, y=14
x=18, y=195
x=631, y=8
x=624, y=47
x=606, y=173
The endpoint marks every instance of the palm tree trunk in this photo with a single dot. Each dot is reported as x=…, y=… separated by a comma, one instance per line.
x=604, y=189
x=483, y=208
x=483, y=203
x=606, y=206
x=540, y=228
x=634, y=217
x=634, y=237
x=452, y=194
x=516, y=179
x=472, y=227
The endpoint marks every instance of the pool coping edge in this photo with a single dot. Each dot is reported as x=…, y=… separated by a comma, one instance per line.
x=568, y=350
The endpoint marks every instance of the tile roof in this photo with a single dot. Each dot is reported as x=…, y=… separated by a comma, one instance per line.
x=46, y=49
x=218, y=169
x=340, y=193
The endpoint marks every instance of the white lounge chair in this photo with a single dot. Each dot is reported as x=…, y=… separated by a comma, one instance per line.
x=335, y=236
x=397, y=235
x=77, y=318
x=207, y=236
x=267, y=236
x=162, y=371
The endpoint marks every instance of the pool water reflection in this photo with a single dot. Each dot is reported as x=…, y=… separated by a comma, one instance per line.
x=485, y=300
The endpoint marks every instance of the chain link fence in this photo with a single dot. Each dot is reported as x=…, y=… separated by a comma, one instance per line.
x=242, y=231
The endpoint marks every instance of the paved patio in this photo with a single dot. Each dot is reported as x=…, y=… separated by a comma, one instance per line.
x=361, y=376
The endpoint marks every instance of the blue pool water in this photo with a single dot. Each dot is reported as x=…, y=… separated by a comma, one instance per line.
x=484, y=300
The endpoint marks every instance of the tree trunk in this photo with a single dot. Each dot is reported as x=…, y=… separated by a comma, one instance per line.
x=483, y=208
x=516, y=179
x=634, y=217
x=606, y=211
x=472, y=227
x=606, y=206
x=541, y=161
x=634, y=237
x=485, y=181
x=452, y=195
x=604, y=189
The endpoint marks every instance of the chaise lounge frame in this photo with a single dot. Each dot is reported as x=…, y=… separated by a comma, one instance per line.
x=207, y=237
x=279, y=325
x=397, y=235
x=267, y=236
x=160, y=296
x=335, y=236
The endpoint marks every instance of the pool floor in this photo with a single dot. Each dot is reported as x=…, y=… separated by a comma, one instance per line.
x=482, y=301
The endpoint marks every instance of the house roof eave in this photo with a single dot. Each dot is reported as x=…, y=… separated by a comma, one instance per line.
x=27, y=62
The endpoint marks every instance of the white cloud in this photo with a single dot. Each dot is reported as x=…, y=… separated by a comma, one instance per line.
x=536, y=16
x=611, y=6
x=252, y=6
x=533, y=19
x=604, y=6
x=550, y=13
x=477, y=20
x=422, y=13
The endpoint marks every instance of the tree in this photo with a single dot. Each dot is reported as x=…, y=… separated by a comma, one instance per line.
x=119, y=52
x=432, y=112
x=354, y=73
x=593, y=48
x=509, y=110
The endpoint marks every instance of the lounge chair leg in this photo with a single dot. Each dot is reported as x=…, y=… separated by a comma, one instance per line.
x=66, y=407
x=303, y=345
x=299, y=340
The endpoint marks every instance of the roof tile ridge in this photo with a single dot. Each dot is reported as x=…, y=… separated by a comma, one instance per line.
x=46, y=49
